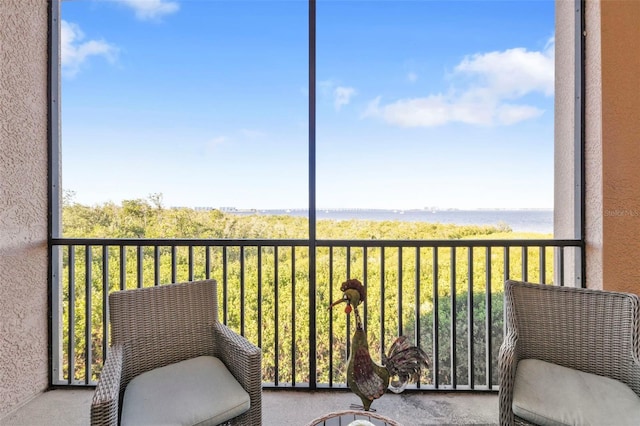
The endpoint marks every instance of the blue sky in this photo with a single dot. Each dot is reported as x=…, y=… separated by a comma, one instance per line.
x=419, y=103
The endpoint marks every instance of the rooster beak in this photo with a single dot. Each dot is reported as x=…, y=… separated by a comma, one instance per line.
x=337, y=302
x=344, y=299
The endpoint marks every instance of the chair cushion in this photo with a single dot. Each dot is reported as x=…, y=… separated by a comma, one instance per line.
x=198, y=391
x=549, y=394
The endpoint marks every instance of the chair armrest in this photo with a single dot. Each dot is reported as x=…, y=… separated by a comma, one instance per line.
x=244, y=361
x=507, y=362
x=241, y=357
x=104, y=406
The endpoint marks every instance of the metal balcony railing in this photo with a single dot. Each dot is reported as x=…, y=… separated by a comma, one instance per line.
x=445, y=294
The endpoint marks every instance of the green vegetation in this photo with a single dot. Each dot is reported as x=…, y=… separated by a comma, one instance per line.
x=269, y=285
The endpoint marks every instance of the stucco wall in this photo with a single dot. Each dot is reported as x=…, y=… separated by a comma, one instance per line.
x=23, y=201
x=593, y=146
x=565, y=220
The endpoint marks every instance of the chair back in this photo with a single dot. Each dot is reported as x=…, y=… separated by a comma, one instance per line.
x=589, y=330
x=161, y=325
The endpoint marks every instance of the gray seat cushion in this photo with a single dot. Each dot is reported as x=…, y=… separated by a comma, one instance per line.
x=549, y=394
x=199, y=391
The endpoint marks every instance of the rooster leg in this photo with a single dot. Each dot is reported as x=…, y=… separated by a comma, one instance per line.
x=360, y=407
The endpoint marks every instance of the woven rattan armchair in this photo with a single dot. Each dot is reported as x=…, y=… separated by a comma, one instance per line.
x=158, y=326
x=587, y=330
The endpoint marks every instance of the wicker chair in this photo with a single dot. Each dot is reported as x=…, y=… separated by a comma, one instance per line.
x=159, y=326
x=587, y=330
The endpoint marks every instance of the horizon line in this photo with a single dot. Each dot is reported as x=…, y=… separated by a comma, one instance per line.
x=432, y=209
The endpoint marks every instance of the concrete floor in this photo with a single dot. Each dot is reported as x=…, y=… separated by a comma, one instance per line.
x=290, y=408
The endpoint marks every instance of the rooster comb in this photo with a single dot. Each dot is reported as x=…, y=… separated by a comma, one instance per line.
x=355, y=285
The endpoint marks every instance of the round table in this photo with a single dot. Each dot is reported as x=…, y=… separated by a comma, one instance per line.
x=343, y=418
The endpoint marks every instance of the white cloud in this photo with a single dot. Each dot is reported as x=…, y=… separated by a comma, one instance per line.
x=151, y=9
x=514, y=72
x=342, y=96
x=484, y=89
x=75, y=52
x=412, y=77
x=337, y=94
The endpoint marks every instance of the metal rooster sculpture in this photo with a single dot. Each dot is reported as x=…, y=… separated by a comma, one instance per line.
x=367, y=379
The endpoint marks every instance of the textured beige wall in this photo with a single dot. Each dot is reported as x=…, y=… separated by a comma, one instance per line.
x=23, y=201
x=564, y=220
x=564, y=121
x=593, y=146
x=620, y=38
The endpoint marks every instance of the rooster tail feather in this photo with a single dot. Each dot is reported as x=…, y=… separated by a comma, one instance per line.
x=404, y=363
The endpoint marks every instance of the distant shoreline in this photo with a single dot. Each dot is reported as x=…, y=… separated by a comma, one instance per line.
x=360, y=209
x=518, y=220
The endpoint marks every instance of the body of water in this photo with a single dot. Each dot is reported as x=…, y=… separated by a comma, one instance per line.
x=539, y=221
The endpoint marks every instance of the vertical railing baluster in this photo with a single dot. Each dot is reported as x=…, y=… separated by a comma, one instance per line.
x=259, y=260
x=276, y=315
x=400, y=262
x=293, y=316
x=174, y=264
x=190, y=263
x=207, y=263
x=561, y=266
x=348, y=269
x=105, y=301
x=525, y=263
x=88, y=300
x=156, y=265
x=470, y=317
x=488, y=320
x=543, y=264
x=331, y=317
x=71, y=343
x=242, y=290
x=454, y=338
x=123, y=268
x=382, y=300
x=417, y=302
x=507, y=266
x=139, y=257
x=225, y=270
x=435, y=359
x=365, y=282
